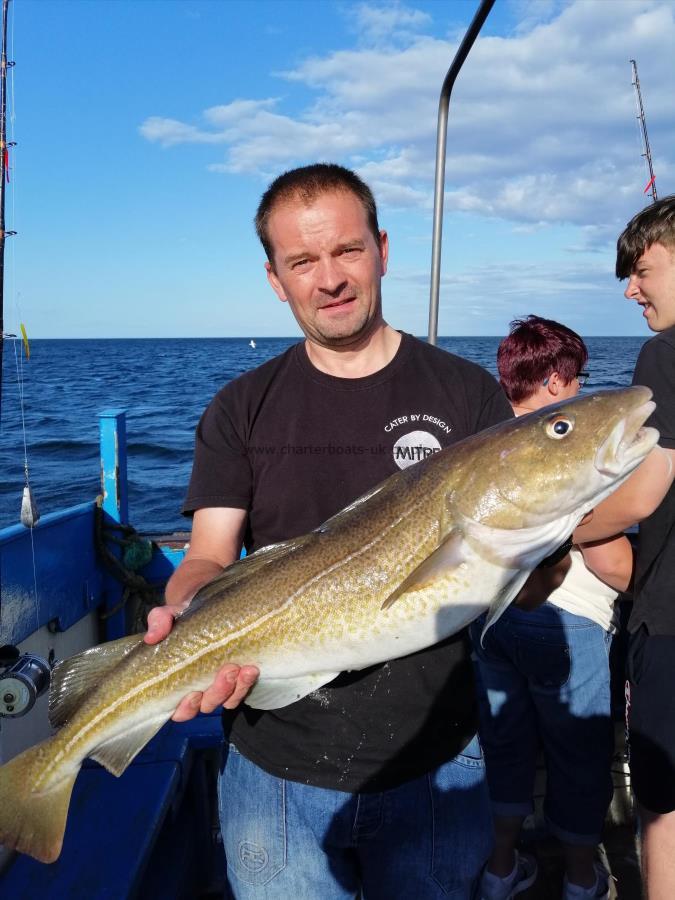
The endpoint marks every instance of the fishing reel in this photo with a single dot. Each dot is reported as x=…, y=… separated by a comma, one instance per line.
x=25, y=678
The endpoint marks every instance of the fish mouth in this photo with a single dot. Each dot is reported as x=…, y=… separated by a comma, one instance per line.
x=628, y=442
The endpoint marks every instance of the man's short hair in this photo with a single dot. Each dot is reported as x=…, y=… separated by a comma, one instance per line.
x=535, y=348
x=306, y=184
x=653, y=225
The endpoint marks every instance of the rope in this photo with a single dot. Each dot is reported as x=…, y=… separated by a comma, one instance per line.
x=136, y=553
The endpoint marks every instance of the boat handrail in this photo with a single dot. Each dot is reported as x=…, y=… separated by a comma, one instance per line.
x=441, y=141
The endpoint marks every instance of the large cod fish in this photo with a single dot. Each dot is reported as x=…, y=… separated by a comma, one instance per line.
x=411, y=562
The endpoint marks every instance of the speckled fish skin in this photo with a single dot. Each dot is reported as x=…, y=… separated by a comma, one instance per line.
x=403, y=567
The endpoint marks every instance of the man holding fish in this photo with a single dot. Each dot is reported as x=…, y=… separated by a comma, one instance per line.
x=375, y=782
x=378, y=776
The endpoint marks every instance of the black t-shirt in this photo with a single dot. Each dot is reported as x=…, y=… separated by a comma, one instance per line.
x=654, y=597
x=293, y=445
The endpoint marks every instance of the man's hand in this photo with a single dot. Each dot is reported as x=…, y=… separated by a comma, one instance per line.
x=633, y=501
x=230, y=685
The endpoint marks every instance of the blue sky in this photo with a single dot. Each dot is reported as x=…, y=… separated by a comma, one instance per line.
x=147, y=130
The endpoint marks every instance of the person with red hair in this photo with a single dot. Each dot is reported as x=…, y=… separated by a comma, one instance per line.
x=540, y=362
x=543, y=673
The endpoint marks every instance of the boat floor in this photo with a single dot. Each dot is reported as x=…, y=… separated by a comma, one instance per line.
x=619, y=853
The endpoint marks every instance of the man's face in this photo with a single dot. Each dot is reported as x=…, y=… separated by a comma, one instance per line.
x=328, y=266
x=652, y=285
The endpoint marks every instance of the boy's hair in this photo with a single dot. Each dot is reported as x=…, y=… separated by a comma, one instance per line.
x=533, y=349
x=653, y=225
x=306, y=184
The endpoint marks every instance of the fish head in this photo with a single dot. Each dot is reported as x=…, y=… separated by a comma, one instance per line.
x=541, y=473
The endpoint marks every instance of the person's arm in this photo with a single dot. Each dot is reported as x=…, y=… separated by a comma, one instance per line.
x=611, y=561
x=215, y=543
x=541, y=583
x=636, y=499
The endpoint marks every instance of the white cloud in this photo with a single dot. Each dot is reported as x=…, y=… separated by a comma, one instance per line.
x=376, y=23
x=542, y=125
x=228, y=114
x=483, y=299
x=168, y=132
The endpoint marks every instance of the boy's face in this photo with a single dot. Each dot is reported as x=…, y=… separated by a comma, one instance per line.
x=652, y=285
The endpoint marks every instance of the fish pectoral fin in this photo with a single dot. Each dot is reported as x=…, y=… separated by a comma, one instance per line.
x=504, y=598
x=117, y=752
x=77, y=676
x=445, y=560
x=273, y=693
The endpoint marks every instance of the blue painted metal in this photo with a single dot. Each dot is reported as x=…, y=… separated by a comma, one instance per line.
x=67, y=582
x=113, y=436
x=164, y=560
x=114, y=487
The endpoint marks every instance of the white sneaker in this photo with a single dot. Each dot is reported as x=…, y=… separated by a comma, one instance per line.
x=600, y=891
x=523, y=876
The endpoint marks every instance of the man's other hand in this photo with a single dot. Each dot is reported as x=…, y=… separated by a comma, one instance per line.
x=230, y=686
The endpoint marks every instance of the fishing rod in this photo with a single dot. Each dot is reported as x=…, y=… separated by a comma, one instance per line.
x=441, y=142
x=3, y=167
x=645, y=139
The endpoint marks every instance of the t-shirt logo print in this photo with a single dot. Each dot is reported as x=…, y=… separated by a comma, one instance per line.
x=414, y=447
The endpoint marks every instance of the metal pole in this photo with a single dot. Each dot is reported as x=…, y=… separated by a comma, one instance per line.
x=3, y=149
x=641, y=116
x=441, y=140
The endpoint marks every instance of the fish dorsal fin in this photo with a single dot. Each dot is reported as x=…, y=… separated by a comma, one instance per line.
x=340, y=517
x=245, y=567
x=446, y=559
x=273, y=693
x=76, y=677
x=116, y=753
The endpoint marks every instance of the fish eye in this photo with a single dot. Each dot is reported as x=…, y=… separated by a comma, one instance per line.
x=559, y=426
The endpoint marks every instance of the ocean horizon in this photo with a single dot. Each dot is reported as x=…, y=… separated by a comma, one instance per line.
x=164, y=389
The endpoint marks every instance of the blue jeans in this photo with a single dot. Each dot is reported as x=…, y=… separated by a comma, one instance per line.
x=543, y=678
x=426, y=839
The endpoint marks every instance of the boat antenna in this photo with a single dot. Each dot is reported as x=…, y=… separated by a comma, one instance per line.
x=4, y=64
x=441, y=141
x=651, y=184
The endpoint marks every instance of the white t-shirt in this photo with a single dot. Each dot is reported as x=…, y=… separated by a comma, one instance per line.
x=583, y=594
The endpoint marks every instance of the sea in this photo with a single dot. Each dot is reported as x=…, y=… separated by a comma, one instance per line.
x=51, y=402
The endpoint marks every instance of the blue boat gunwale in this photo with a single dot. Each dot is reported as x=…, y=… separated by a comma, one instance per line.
x=10, y=533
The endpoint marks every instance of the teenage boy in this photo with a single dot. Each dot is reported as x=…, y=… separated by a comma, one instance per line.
x=646, y=256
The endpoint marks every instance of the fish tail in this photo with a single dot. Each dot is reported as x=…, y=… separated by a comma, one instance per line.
x=33, y=821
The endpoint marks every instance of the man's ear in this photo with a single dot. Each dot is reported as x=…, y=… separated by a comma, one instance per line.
x=274, y=281
x=384, y=251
